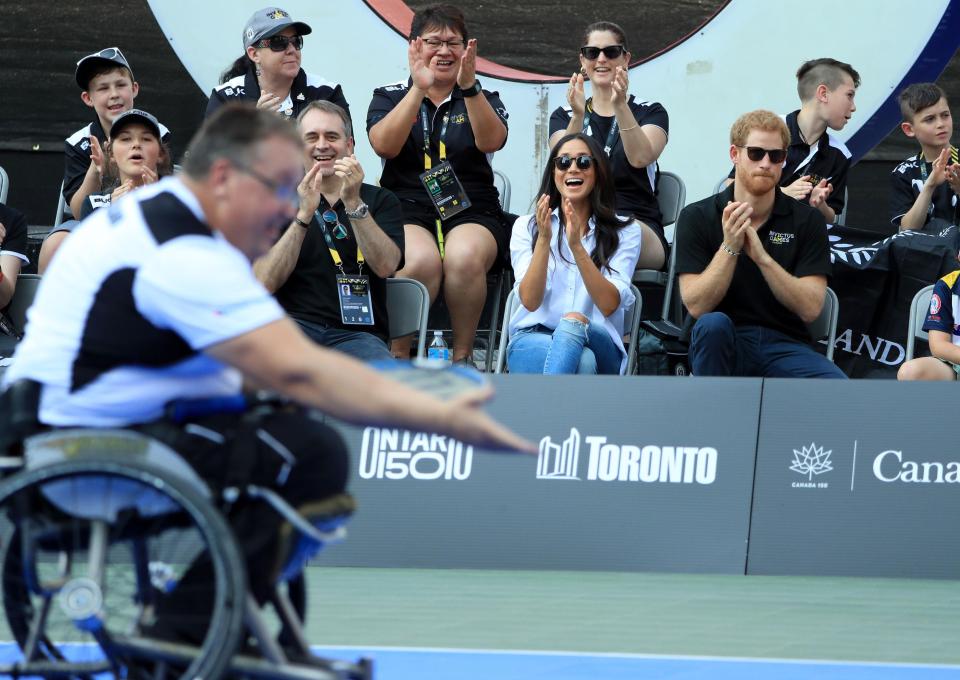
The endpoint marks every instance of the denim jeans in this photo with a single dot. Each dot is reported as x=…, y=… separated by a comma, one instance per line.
x=358, y=344
x=717, y=347
x=573, y=347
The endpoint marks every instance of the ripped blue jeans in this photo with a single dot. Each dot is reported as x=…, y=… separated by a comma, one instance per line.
x=572, y=347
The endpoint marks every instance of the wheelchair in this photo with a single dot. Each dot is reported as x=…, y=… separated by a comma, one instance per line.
x=99, y=529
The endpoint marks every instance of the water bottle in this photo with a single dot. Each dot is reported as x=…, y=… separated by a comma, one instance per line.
x=438, y=348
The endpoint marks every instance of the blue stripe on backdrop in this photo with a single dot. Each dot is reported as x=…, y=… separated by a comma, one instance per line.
x=425, y=664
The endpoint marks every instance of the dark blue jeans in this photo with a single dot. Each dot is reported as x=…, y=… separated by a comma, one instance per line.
x=358, y=344
x=717, y=347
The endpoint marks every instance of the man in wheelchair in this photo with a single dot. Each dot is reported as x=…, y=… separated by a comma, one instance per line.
x=147, y=323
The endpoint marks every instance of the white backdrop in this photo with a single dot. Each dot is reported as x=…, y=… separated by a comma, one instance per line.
x=745, y=58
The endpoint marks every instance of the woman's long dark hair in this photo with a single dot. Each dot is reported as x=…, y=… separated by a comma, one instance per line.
x=239, y=67
x=602, y=202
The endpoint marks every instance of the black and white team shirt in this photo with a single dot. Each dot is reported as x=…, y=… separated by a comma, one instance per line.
x=306, y=88
x=126, y=309
x=906, y=183
x=76, y=154
x=15, y=242
x=636, y=187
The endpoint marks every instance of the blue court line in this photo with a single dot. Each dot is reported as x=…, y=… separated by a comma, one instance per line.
x=405, y=663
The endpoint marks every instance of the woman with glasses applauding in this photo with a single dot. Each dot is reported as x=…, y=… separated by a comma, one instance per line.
x=268, y=73
x=436, y=132
x=632, y=133
x=573, y=260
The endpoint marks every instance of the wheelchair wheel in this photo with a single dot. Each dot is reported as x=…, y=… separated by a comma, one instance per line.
x=110, y=567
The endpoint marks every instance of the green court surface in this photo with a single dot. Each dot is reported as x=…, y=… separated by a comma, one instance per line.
x=844, y=619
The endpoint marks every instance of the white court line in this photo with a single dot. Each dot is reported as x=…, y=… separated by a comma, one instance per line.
x=627, y=655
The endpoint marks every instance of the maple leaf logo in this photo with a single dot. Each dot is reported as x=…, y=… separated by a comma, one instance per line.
x=811, y=460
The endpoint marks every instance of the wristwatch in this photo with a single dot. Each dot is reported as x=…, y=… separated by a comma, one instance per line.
x=362, y=211
x=473, y=90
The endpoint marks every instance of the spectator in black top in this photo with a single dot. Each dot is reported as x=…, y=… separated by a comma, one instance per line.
x=13, y=251
x=817, y=164
x=925, y=187
x=268, y=73
x=108, y=87
x=463, y=123
x=633, y=133
x=753, y=265
x=361, y=222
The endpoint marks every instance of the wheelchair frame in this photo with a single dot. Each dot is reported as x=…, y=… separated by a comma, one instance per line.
x=163, y=489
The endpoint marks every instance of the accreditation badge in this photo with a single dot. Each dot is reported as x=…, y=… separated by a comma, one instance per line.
x=354, y=294
x=445, y=190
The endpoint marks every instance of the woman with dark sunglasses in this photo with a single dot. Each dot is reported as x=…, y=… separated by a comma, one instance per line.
x=632, y=133
x=268, y=73
x=442, y=120
x=573, y=260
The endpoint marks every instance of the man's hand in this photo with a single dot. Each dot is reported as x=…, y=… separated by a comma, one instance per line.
x=470, y=424
x=799, y=189
x=736, y=222
x=467, y=75
x=820, y=193
x=269, y=102
x=348, y=169
x=544, y=219
x=420, y=71
x=309, y=192
x=753, y=247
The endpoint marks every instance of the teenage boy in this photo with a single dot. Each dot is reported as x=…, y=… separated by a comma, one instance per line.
x=925, y=187
x=815, y=171
x=107, y=86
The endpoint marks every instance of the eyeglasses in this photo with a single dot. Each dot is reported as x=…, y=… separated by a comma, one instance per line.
x=278, y=43
x=286, y=193
x=756, y=154
x=435, y=44
x=610, y=51
x=564, y=162
x=330, y=217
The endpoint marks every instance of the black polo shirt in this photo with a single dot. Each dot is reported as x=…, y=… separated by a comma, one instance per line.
x=795, y=236
x=306, y=88
x=15, y=242
x=906, y=183
x=830, y=160
x=636, y=187
x=401, y=174
x=76, y=154
x=310, y=292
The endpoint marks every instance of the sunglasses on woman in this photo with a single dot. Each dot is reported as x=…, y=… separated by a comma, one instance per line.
x=756, y=154
x=610, y=52
x=564, y=162
x=330, y=217
x=278, y=43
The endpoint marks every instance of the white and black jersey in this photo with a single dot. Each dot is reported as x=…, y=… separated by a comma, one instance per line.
x=127, y=307
x=306, y=88
x=15, y=242
x=906, y=183
x=76, y=154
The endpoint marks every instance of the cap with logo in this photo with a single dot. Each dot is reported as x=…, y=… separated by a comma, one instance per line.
x=268, y=22
x=106, y=57
x=135, y=116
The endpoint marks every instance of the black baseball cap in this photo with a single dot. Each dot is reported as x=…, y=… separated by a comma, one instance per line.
x=135, y=116
x=105, y=57
x=268, y=22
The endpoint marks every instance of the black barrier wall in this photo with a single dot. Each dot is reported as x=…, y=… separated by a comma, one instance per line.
x=857, y=478
x=647, y=475
x=657, y=474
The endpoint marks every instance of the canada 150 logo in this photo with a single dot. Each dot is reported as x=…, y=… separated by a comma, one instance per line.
x=398, y=454
x=811, y=461
x=609, y=462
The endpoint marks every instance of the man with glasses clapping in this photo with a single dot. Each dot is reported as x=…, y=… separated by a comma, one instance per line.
x=753, y=265
x=329, y=269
